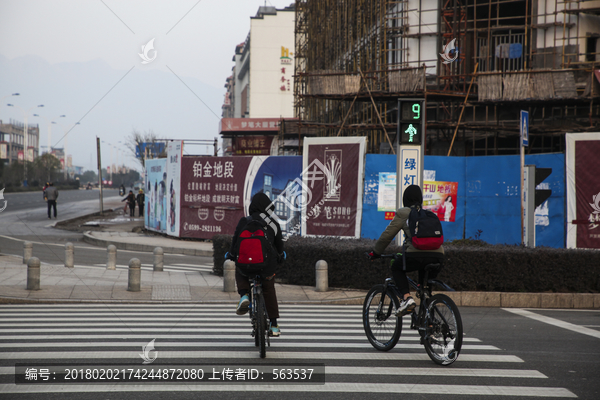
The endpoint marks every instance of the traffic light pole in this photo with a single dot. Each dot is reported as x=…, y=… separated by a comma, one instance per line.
x=410, y=139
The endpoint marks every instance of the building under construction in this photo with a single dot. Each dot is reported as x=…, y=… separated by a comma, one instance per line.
x=355, y=58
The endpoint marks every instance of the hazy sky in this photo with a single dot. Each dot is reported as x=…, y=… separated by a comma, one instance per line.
x=194, y=42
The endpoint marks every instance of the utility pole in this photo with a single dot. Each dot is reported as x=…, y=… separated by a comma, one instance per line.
x=99, y=173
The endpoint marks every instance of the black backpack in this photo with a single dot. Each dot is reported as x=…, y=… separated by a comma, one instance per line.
x=425, y=229
x=253, y=248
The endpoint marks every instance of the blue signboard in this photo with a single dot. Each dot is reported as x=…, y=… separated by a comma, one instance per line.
x=154, y=149
x=524, y=127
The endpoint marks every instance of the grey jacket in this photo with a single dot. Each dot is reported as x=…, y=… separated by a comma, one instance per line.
x=400, y=221
x=51, y=193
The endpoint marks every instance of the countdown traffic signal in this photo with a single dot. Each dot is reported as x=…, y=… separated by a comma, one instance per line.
x=411, y=113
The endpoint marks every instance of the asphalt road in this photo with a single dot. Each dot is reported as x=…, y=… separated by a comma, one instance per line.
x=507, y=353
x=26, y=218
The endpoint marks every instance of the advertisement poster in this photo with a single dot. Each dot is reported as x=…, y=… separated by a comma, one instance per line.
x=332, y=178
x=212, y=195
x=386, y=195
x=3, y=151
x=279, y=177
x=583, y=190
x=440, y=198
x=174, y=155
x=155, y=215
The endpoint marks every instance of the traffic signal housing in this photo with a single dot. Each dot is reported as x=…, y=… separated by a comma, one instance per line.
x=411, y=115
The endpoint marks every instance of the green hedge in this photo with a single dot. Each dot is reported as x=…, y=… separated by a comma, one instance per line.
x=469, y=265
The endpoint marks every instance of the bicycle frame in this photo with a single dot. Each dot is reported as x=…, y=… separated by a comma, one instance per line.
x=418, y=318
x=256, y=294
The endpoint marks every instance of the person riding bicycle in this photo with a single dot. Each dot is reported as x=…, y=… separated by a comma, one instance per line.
x=415, y=259
x=260, y=209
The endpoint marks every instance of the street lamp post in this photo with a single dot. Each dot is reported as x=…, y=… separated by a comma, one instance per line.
x=26, y=139
x=8, y=95
x=49, y=129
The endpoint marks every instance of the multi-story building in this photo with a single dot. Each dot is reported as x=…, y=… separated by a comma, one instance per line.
x=12, y=141
x=260, y=92
x=476, y=64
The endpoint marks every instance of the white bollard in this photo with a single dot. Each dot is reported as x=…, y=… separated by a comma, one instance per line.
x=27, y=251
x=158, y=259
x=111, y=261
x=322, y=276
x=229, y=276
x=135, y=275
x=33, y=273
x=69, y=252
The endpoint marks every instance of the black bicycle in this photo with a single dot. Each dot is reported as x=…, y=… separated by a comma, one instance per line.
x=437, y=320
x=259, y=316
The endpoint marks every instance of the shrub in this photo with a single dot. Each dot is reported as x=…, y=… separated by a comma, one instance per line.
x=476, y=267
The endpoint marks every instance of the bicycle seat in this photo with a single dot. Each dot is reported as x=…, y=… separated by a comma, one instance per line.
x=433, y=267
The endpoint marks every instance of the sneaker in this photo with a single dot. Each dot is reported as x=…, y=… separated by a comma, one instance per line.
x=242, y=307
x=406, y=307
x=274, y=330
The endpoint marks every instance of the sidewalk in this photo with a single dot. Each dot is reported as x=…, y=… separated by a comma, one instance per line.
x=59, y=284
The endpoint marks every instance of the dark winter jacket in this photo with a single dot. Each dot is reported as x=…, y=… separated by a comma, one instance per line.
x=261, y=209
x=130, y=199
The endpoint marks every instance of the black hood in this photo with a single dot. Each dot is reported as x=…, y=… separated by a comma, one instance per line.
x=412, y=196
x=260, y=203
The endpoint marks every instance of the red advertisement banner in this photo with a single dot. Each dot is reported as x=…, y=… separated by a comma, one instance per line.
x=212, y=195
x=587, y=189
x=249, y=124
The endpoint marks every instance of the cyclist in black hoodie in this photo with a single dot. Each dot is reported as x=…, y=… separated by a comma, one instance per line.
x=260, y=209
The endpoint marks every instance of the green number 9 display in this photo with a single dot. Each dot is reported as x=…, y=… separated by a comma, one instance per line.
x=417, y=110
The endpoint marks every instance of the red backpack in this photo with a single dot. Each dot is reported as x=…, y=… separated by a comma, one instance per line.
x=425, y=229
x=253, y=248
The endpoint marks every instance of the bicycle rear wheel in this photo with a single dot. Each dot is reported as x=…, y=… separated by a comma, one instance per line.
x=381, y=325
x=444, y=330
x=261, y=326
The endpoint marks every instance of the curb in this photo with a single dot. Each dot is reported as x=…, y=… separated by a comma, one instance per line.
x=88, y=238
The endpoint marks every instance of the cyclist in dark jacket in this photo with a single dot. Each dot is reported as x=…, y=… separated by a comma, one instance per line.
x=416, y=259
x=260, y=209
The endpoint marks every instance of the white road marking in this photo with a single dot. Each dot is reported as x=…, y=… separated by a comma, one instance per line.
x=555, y=322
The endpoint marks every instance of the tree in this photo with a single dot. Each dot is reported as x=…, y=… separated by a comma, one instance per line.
x=46, y=167
x=89, y=176
x=136, y=144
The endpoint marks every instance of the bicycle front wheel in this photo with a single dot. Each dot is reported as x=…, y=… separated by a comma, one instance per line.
x=444, y=330
x=381, y=325
x=261, y=326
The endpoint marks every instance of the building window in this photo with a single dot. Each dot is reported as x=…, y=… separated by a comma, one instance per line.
x=268, y=180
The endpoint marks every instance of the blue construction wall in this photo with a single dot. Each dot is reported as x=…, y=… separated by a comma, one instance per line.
x=488, y=204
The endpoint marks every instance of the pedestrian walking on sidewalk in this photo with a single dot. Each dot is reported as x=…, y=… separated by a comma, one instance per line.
x=130, y=199
x=51, y=195
x=141, y=198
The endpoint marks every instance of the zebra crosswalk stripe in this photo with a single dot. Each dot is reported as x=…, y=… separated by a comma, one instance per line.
x=330, y=335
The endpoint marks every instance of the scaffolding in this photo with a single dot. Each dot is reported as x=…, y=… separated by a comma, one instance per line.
x=355, y=58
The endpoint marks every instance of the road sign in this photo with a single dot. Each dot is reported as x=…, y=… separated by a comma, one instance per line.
x=524, y=126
